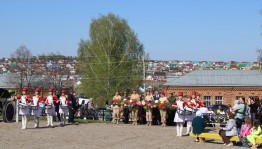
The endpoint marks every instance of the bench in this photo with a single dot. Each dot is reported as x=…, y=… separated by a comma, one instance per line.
x=216, y=136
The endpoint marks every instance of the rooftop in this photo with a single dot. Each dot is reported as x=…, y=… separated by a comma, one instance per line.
x=219, y=78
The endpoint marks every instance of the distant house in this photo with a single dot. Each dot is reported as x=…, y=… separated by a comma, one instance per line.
x=218, y=86
x=159, y=75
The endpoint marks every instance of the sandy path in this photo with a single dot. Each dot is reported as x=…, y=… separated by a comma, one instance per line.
x=96, y=136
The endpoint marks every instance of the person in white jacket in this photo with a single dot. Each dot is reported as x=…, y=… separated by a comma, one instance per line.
x=35, y=106
x=24, y=99
x=63, y=108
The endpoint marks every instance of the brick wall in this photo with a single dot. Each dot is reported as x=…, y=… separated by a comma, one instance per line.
x=228, y=94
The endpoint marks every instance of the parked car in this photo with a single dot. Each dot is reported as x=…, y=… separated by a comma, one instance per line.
x=215, y=107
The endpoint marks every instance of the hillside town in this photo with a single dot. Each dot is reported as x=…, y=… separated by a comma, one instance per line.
x=65, y=68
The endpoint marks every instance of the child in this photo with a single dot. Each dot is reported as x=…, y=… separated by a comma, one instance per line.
x=255, y=133
x=245, y=132
x=35, y=107
x=198, y=125
x=63, y=109
x=24, y=110
x=235, y=106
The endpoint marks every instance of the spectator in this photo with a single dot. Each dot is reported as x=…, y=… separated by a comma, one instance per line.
x=228, y=131
x=260, y=112
x=255, y=133
x=240, y=113
x=108, y=111
x=245, y=132
x=71, y=106
x=198, y=125
x=253, y=108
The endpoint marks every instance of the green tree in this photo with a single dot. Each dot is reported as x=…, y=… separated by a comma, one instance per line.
x=111, y=59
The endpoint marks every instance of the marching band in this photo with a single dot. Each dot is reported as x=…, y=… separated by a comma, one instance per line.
x=185, y=108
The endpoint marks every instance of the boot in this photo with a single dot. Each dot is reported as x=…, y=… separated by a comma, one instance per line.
x=51, y=121
x=48, y=120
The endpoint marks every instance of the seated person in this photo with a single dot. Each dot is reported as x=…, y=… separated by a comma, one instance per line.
x=245, y=132
x=228, y=131
x=198, y=125
x=255, y=133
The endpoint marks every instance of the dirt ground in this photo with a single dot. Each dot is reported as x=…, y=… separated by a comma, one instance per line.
x=97, y=136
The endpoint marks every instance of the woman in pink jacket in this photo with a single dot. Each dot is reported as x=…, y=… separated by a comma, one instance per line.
x=245, y=131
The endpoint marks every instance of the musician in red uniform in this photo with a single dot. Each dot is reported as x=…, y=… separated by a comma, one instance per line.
x=189, y=114
x=24, y=99
x=36, y=112
x=199, y=101
x=179, y=116
x=50, y=109
x=63, y=107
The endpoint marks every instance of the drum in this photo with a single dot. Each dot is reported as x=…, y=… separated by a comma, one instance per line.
x=22, y=106
x=41, y=105
x=181, y=112
x=195, y=110
x=48, y=107
x=63, y=107
x=34, y=107
x=188, y=113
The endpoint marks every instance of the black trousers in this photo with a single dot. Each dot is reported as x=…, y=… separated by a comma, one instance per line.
x=156, y=116
x=170, y=117
x=239, y=123
x=71, y=115
x=126, y=115
x=57, y=113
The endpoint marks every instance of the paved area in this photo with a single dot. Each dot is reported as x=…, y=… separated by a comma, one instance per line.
x=98, y=136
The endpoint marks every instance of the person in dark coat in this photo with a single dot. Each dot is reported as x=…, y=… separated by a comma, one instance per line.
x=57, y=107
x=141, y=112
x=71, y=106
x=156, y=113
x=126, y=109
x=198, y=125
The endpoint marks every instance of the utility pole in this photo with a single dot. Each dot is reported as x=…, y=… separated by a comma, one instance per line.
x=144, y=71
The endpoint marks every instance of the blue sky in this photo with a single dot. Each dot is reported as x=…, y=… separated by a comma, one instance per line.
x=171, y=29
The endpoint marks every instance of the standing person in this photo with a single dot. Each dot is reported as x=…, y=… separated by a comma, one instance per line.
x=24, y=99
x=135, y=97
x=253, y=105
x=163, y=99
x=141, y=111
x=149, y=98
x=171, y=112
x=57, y=115
x=179, y=116
x=116, y=108
x=189, y=106
x=35, y=106
x=228, y=131
x=126, y=109
x=63, y=107
x=50, y=109
x=71, y=106
x=240, y=113
x=156, y=114
x=199, y=101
